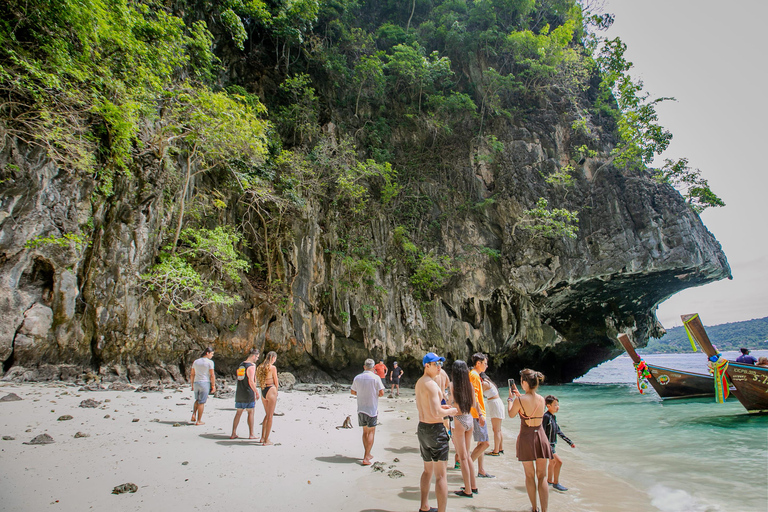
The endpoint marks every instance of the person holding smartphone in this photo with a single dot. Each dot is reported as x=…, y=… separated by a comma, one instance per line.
x=533, y=448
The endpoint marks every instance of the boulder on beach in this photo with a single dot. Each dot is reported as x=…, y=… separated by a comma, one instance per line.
x=10, y=397
x=90, y=403
x=128, y=487
x=65, y=417
x=41, y=439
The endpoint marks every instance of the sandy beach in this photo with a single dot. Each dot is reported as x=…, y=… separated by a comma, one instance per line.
x=144, y=438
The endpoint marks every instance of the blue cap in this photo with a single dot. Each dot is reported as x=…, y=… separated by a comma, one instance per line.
x=431, y=357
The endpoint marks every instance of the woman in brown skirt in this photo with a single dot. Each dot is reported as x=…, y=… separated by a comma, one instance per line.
x=532, y=445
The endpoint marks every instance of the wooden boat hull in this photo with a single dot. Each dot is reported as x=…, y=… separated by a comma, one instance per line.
x=750, y=382
x=669, y=383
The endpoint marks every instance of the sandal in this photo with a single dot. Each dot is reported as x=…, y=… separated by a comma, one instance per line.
x=493, y=454
x=463, y=494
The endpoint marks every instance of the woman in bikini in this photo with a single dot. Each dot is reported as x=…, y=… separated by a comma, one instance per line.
x=532, y=443
x=266, y=375
x=463, y=398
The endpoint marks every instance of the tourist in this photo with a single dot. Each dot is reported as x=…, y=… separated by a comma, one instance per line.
x=433, y=439
x=745, y=358
x=494, y=407
x=394, y=377
x=480, y=428
x=266, y=374
x=552, y=430
x=444, y=383
x=532, y=444
x=368, y=388
x=381, y=370
x=203, y=383
x=463, y=399
x=246, y=392
x=762, y=361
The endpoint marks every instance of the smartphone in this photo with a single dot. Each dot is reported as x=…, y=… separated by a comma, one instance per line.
x=511, y=384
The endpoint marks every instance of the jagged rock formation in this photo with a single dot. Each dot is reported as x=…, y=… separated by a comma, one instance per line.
x=551, y=305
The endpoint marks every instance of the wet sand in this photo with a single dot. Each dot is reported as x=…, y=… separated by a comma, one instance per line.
x=312, y=465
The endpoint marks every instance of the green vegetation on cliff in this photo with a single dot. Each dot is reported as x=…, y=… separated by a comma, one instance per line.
x=246, y=112
x=752, y=334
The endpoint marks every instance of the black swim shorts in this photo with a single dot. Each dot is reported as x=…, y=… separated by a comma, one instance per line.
x=364, y=420
x=433, y=442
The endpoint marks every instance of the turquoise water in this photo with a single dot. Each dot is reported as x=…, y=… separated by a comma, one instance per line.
x=688, y=455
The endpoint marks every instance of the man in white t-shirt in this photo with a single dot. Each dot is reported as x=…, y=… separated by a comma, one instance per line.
x=203, y=382
x=367, y=387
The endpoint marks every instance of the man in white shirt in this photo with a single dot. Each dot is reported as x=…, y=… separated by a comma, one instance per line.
x=203, y=382
x=367, y=387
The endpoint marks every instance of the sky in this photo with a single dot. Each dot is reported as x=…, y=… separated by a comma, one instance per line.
x=711, y=57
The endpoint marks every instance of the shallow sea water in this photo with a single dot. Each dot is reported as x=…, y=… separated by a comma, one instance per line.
x=691, y=455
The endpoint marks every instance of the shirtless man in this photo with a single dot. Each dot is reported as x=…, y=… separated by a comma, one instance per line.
x=433, y=439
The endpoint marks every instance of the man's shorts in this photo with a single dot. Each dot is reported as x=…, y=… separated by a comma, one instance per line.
x=433, y=442
x=479, y=434
x=245, y=405
x=201, y=391
x=366, y=421
x=552, y=446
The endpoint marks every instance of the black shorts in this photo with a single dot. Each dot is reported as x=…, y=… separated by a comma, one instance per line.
x=366, y=421
x=433, y=442
x=396, y=381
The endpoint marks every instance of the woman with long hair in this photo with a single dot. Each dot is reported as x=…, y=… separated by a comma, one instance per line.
x=532, y=444
x=463, y=398
x=266, y=375
x=494, y=406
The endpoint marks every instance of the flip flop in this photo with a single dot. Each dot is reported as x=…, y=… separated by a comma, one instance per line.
x=487, y=475
x=474, y=491
x=431, y=509
x=492, y=454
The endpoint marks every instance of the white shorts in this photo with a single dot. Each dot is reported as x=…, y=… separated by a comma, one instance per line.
x=495, y=408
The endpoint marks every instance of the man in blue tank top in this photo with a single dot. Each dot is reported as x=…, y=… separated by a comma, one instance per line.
x=246, y=393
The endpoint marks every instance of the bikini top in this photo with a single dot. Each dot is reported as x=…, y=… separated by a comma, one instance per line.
x=525, y=417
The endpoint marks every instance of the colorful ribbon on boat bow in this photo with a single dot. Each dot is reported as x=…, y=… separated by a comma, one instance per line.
x=718, y=364
x=643, y=374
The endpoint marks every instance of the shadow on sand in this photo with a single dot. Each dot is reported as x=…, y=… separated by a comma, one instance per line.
x=339, y=459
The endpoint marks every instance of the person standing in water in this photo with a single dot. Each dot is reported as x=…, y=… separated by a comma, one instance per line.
x=266, y=374
x=433, y=439
x=203, y=383
x=246, y=393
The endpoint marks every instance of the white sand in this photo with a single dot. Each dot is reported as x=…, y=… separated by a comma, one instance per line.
x=312, y=467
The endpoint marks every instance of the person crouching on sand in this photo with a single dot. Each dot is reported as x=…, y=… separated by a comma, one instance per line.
x=266, y=374
x=552, y=430
x=246, y=392
x=433, y=439
x=367, y=387
x=203, y=383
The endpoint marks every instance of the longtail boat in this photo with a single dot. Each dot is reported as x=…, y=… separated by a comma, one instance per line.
x=667, y=382
x=750, y=382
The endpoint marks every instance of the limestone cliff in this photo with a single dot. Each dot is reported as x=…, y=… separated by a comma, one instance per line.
x=399, y=151
x=551, y=305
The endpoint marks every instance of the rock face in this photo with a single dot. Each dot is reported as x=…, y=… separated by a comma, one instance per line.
x=554, y=305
